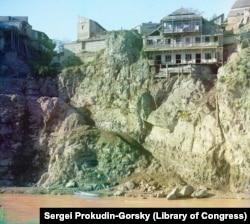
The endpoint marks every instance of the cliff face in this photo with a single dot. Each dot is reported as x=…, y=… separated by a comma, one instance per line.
x=234, y=117
x=30, y=111
x=108, y=118
x=201, y=128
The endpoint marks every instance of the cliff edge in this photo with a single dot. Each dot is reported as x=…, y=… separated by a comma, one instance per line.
x=107, y=120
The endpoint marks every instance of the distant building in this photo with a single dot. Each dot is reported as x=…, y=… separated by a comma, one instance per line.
x=146, y=28
x=17, y=34
x=183, y=42
x=239, y=15
x=88, y=29
x=90, y=37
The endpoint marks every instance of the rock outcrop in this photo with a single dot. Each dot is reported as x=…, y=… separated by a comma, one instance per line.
x=94, y=159
x=104, y=120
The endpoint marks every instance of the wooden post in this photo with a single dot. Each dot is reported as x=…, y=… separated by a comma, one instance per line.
x=179, y=72
x=217, y=110
x=12, y=39
x=166, y=70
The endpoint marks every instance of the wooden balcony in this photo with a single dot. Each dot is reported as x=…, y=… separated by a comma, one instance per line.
x=179, y=46
x=189, y=29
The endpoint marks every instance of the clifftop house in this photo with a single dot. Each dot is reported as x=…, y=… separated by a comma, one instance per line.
x=184, y=42
x=239, y=15
x=17, y=34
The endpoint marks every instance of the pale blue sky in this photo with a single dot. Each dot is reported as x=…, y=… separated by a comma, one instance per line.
x=58, y=18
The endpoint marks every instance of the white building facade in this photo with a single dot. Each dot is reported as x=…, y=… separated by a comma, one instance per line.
x=184, y=38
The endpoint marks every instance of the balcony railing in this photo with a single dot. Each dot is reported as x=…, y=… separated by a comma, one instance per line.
x=163, y=46
x=183, y=30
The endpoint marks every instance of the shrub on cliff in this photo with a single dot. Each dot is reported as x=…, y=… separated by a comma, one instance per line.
x=39, y=69
x=73, y=61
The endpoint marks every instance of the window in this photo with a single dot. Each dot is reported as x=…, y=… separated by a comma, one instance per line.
x=158, y=59
x=168, y=58
x=168, y=41
x=159, y=41
x=197, y=39
x=179, y=25
x=168, y=25
x=149, y=42
x=208, y=56
x=178, y=59
x=197, y=58
x=207, y=39
x=186, y=24
x=215, y=39
x=188, y=57
x=178, y=40
x=197, y=26
x=187, y=40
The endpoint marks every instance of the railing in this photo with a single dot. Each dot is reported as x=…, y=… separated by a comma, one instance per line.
x=182, y=62
x=180, y=69
x=182, y=30
x=181, y=45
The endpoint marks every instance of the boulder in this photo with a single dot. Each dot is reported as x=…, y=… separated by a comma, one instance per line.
x=173, y=194
x=119, y=193
x=186, y=191
x=200, y=193
x=71, y=184
x=129, y=185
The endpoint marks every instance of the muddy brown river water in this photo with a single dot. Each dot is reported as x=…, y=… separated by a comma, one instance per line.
x=23, y=208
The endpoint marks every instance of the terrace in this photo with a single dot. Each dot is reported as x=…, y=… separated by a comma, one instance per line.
x=153, y=45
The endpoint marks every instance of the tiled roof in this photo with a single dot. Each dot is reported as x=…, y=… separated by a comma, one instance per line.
x=241, y=4
x=182, y=13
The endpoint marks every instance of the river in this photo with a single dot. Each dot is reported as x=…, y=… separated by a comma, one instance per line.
x=23, y=208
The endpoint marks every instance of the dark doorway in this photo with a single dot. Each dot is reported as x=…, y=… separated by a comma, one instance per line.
x=178, y=58
x=158, y=59
x=198, y=58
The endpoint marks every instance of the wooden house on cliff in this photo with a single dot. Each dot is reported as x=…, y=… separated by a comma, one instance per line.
x=17, y=34
x=183, y=43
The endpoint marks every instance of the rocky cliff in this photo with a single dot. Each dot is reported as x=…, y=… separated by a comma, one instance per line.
x=108, y=119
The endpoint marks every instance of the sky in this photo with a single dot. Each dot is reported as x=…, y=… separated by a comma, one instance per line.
x=58, y=18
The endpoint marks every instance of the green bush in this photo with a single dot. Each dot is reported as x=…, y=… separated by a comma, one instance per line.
x=39, y=69
x=245, y=43
x=73, y=61
x=143, y=53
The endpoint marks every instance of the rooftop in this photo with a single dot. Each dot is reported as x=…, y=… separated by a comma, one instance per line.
x=182, y=13
x=14, y=19
x=241, y=4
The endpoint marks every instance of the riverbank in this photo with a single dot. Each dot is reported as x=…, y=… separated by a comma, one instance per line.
x=110, y=193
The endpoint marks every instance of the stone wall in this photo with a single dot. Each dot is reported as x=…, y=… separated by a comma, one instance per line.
x=89, y=45
x=95, y=45
x=73, y=47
